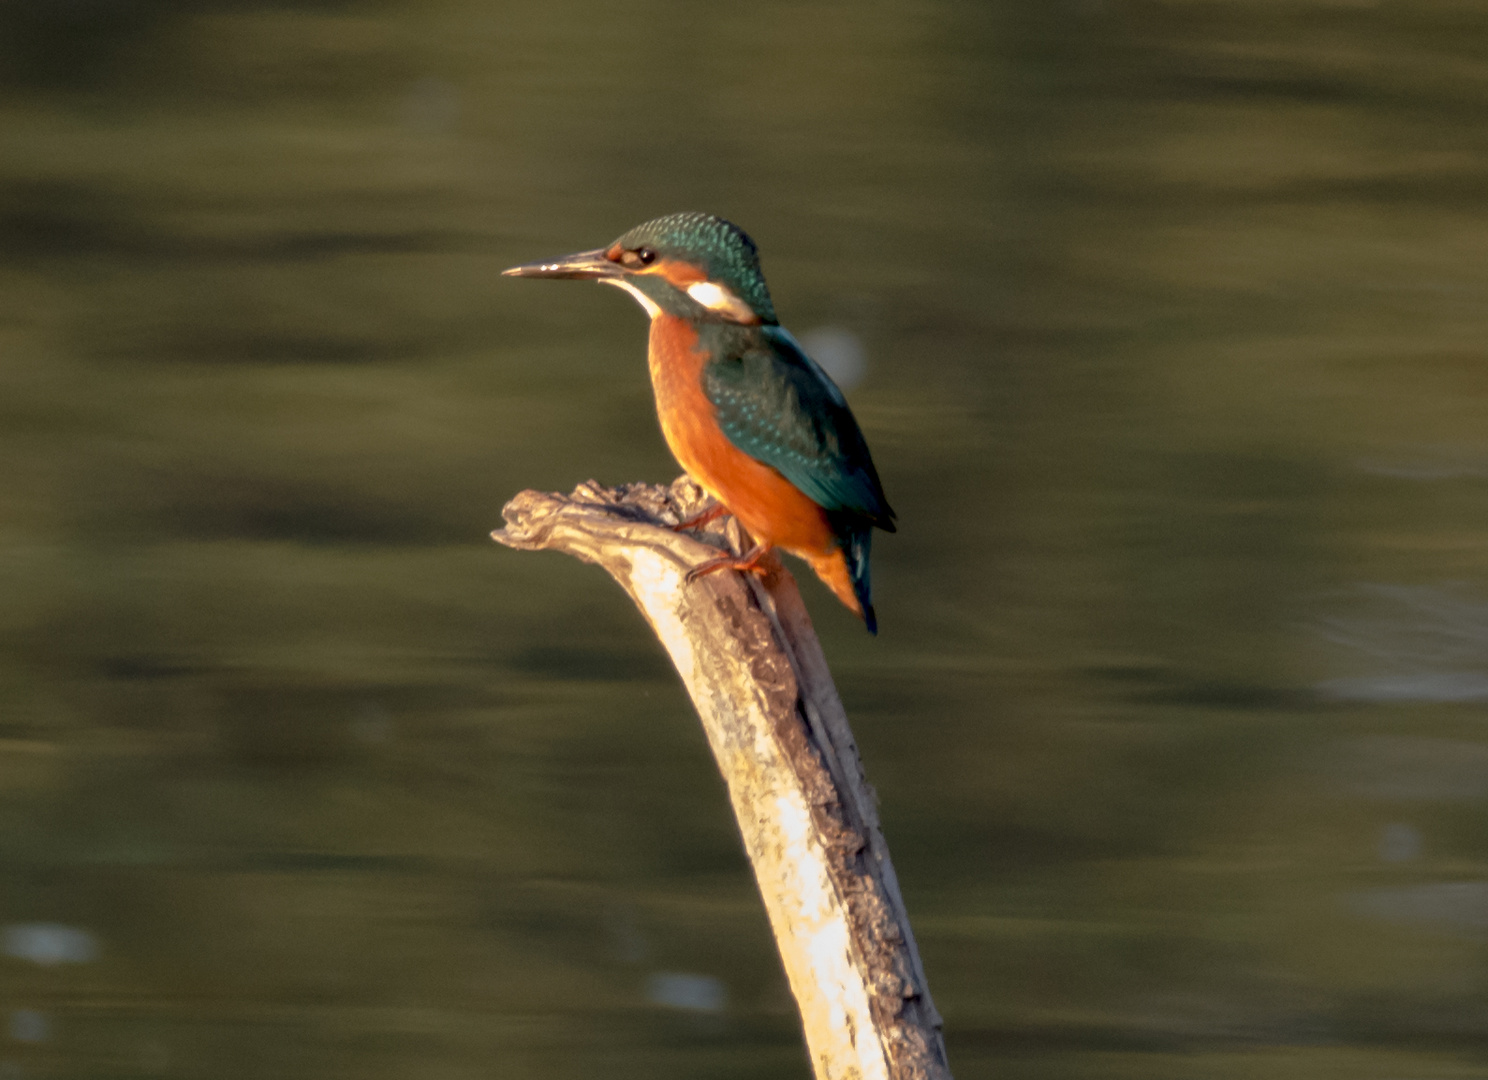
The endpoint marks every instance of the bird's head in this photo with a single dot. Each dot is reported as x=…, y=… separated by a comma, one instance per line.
x=695, y=266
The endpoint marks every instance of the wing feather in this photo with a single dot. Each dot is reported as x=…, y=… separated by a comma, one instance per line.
x=778, y=406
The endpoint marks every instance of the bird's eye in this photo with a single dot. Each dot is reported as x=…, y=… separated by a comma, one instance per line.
x=637, y=257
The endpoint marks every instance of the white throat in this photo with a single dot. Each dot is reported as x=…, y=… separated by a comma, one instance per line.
x=715, y=298
x=641, y=298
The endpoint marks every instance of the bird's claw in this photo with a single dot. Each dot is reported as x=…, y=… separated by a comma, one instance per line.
x=747, y=564
x=717, y=510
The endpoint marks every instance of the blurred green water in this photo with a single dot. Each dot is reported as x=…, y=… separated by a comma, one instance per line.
x=1174, y=320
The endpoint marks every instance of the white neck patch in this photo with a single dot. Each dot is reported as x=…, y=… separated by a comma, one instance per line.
x=645, y=301
x=720, y=300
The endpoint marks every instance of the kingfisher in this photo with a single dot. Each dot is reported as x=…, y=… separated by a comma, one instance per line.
x=749, y=416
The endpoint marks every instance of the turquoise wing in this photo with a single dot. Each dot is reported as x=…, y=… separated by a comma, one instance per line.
x=778, y=406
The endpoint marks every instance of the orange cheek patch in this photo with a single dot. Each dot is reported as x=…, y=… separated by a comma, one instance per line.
x=679, y=273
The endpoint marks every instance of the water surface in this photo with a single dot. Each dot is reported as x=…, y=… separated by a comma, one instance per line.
x=1168, y=327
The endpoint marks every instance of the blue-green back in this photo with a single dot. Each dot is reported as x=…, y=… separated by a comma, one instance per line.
x=775, y=404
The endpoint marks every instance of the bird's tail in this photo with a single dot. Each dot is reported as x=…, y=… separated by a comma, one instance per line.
x=844, y=569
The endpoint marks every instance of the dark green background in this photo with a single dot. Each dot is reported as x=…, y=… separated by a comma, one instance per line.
x=1175, y=320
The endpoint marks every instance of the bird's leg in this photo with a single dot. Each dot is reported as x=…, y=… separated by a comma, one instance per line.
x=748, y=562
x=717, y=510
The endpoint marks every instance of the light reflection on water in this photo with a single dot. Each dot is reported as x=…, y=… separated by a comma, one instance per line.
x=48, y=944
x=1460, y=906
x=1418, y=643
x=1165, y=323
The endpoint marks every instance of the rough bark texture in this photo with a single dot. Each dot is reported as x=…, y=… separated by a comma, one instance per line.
x=746, y=651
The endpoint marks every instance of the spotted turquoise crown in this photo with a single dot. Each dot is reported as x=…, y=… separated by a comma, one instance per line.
x=721, y=248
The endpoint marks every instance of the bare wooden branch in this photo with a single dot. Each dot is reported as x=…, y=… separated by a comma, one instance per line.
x=747, y=653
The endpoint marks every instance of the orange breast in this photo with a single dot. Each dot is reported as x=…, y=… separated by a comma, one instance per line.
x=765, y=502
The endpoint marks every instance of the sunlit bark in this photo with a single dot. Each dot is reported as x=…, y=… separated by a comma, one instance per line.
x=749, y=658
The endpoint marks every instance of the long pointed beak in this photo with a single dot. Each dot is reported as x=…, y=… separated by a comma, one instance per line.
x=584, y=264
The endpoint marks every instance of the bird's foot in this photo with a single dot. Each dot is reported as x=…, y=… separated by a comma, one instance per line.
x=717, y=510
x=748, y=563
